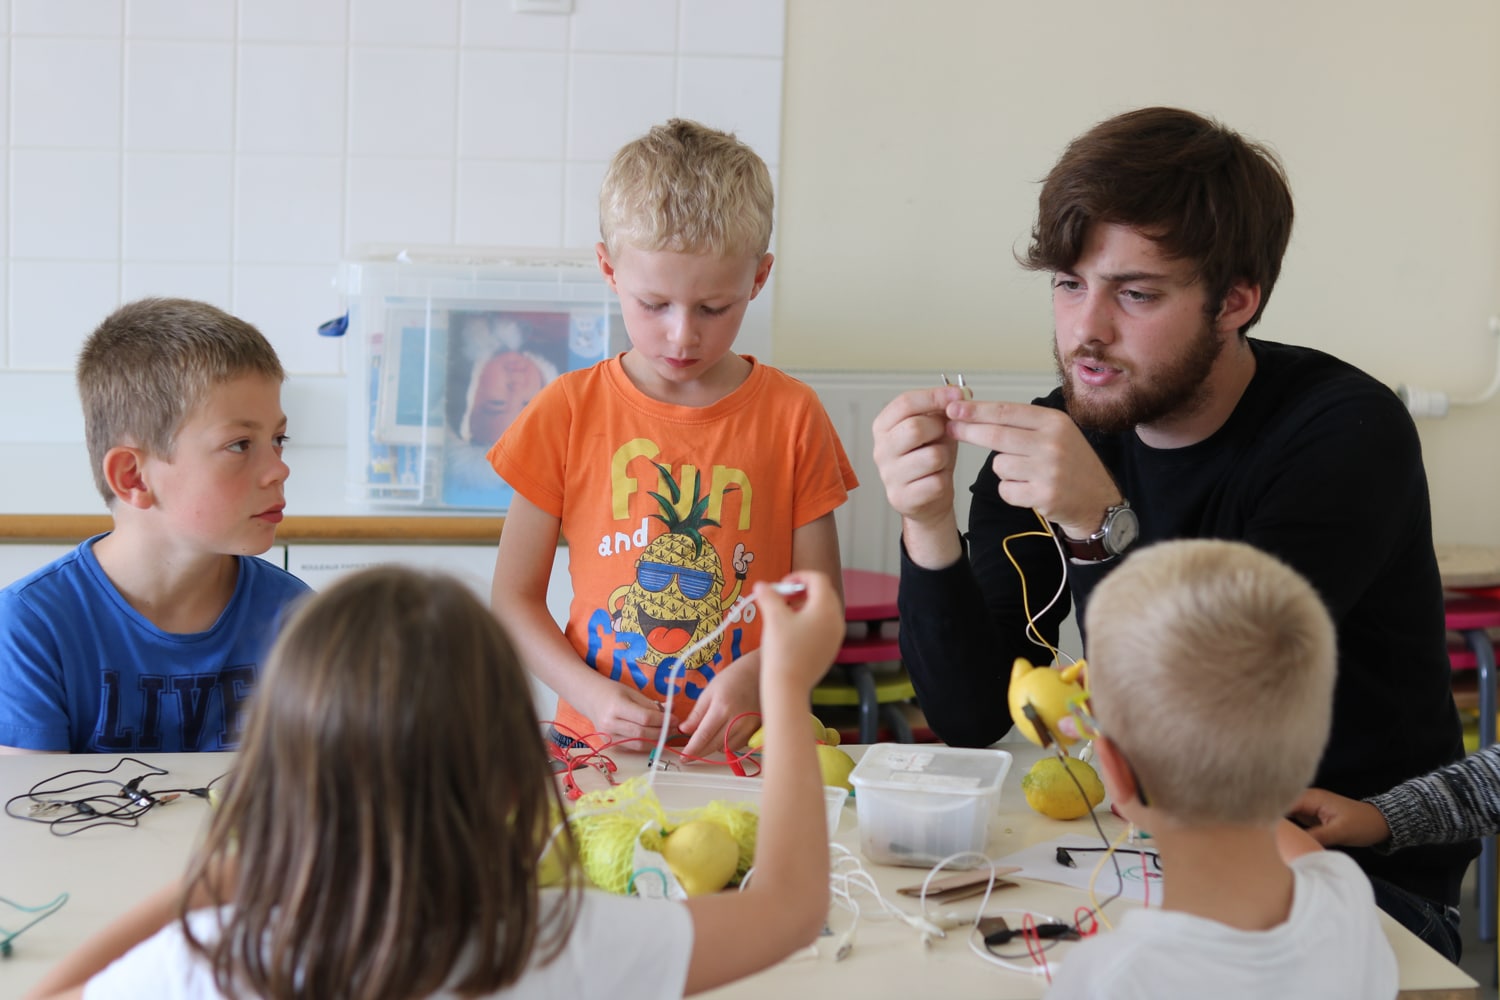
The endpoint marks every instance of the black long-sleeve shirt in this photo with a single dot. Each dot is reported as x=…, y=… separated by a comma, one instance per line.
x=1319, y=465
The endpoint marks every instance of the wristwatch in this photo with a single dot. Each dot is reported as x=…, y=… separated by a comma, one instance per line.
x=1118, y=532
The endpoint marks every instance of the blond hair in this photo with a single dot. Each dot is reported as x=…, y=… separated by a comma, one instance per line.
x=150, y=363
x=1211, y=665
x=389, y=807
x=687, y=188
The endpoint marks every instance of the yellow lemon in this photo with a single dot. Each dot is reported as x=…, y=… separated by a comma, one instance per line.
x=1052, y=793
x=1046, y=692
x=820, y=732
x=835, y=765
x=703, y=855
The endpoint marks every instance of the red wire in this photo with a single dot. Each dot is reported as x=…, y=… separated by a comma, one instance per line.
x=1084, y=915
x=593, y=755
x=1034, y=944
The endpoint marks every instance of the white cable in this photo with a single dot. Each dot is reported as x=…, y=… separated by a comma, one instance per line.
x=1062, y=585
x=1494, y=385
x=730, y=616
x=976, y=945
x=1421, y=402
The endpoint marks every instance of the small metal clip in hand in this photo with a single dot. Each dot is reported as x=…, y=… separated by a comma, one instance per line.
x=968, y=393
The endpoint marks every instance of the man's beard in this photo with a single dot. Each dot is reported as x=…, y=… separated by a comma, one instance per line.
x=1153, y=396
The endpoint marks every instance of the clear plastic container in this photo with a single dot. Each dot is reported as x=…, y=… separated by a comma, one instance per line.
x=920, y=803
x=683, y=790
x=443, y=348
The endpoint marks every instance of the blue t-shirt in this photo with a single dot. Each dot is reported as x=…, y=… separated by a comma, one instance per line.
x=82, y=671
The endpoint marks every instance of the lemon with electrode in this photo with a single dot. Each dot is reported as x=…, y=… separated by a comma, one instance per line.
x=1041, y=698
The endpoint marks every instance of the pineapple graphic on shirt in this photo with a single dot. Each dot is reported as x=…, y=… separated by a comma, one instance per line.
x=678, y=596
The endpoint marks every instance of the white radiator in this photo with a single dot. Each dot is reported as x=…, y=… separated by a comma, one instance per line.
x=868, y=529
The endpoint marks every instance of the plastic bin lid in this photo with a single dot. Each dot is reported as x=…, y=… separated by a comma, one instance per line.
x=924, y=767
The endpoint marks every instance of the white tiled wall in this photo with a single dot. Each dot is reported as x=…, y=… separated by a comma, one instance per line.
x=236, y=150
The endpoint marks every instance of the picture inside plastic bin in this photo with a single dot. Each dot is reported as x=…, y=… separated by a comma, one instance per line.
x=447, y=382
x=497, y=360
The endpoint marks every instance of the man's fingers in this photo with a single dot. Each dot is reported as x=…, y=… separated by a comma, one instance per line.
x=1025, y=416
x=915, y=402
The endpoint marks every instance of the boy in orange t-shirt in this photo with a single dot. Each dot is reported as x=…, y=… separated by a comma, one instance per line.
x=678, y=472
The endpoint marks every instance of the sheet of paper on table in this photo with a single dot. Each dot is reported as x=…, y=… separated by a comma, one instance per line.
x=1039, y=861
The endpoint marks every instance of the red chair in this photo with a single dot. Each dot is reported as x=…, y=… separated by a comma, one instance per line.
x=870, y=599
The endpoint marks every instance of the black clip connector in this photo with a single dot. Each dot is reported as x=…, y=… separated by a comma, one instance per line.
x=1057, y=932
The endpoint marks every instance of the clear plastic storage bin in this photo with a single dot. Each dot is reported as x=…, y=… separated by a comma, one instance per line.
x=919, y=803
x=684, y=790
x=443, y=349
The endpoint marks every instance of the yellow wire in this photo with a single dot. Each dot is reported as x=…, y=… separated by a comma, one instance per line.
x=1094, y=875
x=1031, y=630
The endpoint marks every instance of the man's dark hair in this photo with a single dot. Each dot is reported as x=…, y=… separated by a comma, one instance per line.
x=1201, y=191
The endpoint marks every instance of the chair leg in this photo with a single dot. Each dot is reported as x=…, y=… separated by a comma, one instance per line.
x=900, y=728
x=1484, y=657
x=869, y=704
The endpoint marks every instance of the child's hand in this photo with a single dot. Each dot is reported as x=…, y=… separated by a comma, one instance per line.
x=621, y=712
x=801, y=633
x=733, y=690
x=1332, y=819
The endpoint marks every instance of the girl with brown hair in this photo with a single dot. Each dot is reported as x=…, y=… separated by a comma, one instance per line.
x=381, y=834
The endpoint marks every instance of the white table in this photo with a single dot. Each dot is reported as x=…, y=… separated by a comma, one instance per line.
x=105, y=869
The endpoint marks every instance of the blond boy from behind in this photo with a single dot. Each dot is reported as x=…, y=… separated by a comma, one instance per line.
x=149, y=637
x=1211, y=667
x=679, y=472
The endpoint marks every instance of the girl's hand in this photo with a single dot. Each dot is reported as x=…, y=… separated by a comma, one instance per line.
x=801, y=633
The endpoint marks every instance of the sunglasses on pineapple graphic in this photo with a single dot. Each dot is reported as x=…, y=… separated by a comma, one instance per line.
x=655, y=577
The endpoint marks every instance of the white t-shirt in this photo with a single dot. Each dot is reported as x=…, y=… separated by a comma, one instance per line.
x=624, y=948
x=1332, y=945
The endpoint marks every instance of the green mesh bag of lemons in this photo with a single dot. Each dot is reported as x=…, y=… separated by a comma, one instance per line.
x=707, y=850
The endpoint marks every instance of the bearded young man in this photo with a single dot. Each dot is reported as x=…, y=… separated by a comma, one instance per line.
x=1164, y=232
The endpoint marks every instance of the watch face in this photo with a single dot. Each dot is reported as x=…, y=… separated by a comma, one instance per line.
x=1121, y=531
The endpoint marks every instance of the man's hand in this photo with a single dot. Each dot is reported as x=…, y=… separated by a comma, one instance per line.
x=1044, y=461
x=915, y=455
x=1332, y=819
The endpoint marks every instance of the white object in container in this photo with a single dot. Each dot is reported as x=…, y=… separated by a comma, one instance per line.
x=919, y=803
x=680, y=791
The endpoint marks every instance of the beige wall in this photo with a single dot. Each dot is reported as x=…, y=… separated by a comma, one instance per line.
x=914, y=135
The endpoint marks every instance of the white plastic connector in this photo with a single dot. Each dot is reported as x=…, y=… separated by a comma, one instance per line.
x=1435, y=403
x=1423, y=402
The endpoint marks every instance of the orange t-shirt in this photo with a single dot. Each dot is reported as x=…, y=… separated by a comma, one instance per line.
x=671, y=513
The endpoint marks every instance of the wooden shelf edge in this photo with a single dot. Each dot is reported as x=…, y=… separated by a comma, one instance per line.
x=398, y=528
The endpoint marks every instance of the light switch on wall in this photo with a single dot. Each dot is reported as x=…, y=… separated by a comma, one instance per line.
x=542, y=6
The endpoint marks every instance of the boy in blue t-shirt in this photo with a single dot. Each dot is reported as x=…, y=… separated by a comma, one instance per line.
x=149, y=637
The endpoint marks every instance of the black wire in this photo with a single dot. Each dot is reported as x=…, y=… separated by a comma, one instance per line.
x=1153, y=855
x=1114, y=857
x=124, y=806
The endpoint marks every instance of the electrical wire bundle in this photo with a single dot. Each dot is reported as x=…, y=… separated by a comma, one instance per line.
x=106, y=799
